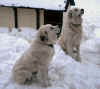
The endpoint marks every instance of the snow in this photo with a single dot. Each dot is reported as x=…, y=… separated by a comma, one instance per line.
x=44, y=4
x=25, y=33
x=4, y=30
x=90, y=51
x=64, y=72
x=91, y=23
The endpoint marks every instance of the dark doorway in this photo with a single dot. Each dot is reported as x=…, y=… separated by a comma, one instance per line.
x=53, y=17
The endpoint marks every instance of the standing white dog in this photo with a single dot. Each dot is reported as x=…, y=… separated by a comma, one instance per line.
x=36, y=59
x=71, y=36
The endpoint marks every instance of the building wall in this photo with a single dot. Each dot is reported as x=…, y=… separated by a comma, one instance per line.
x=6, y=17
x=41, y=17
x=26, y=17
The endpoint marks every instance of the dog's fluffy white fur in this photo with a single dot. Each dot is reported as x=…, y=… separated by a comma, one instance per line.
x=36, y=59
x=71, y=35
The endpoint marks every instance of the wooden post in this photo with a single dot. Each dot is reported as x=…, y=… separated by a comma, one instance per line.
x=15, y=17
x=69, y=3
x=37, y=18
x=72, y=2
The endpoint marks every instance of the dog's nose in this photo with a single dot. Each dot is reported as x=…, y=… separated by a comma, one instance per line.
x=82, y=11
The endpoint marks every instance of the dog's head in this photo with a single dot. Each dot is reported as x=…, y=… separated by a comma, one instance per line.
x=48, y=33
x=75, y=15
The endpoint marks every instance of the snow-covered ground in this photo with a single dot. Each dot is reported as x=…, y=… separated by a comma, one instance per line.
x=64, y=72
x=25, y=33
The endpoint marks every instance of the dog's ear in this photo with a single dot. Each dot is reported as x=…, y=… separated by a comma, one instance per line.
x=70, y=13
x=44, y=36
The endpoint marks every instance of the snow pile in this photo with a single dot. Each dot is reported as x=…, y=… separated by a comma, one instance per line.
x=91, y=23
x=64, y=72
x=97, y=32
x=11, y=47
x=4, y=30
x=25, y=33
x=90, y=51
x=44, y=4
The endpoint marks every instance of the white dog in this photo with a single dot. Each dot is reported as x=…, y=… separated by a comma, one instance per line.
x=71, y=35
x=35, y=61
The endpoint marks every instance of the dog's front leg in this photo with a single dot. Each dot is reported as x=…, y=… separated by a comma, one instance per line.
x=69, y=47
x=73, y=50
x=78, y=54
x=44, y=76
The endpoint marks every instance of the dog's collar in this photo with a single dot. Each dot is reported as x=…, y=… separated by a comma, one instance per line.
x=46, y=44
x=75, y=25
x=50, y=45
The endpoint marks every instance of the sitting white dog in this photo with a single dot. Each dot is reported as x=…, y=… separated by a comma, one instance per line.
x=36, y=59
